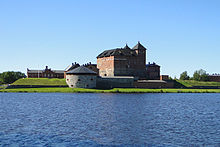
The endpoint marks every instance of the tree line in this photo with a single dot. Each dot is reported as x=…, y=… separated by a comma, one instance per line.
x=198, y=75
x=10, y=77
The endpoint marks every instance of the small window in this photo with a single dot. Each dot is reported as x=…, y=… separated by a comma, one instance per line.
x=91, y=79
x=67, y=79
x=78, y=79
x=105, y=75
x=71, y=85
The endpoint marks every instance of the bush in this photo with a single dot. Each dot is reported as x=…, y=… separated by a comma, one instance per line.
x=184, y=76
x=10, y=77
x=200, y=75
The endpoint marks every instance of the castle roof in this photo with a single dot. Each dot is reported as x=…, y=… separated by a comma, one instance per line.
x=127, y=47
x=126, y=51
x=138, y=46
x=117, y=52
x=81, y=70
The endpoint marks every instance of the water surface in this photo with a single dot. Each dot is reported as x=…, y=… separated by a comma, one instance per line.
x=55, y=119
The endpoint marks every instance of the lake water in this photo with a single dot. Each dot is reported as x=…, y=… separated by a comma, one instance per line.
x=154, y=120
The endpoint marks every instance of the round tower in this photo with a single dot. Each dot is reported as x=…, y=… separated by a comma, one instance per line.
x=81, y=77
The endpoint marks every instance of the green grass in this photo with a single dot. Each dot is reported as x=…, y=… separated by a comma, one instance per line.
x=3, y=86
x=40, y=81
x=115, y=90
x=191, y=83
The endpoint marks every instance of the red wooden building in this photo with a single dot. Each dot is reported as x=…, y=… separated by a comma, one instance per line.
x=46, y=73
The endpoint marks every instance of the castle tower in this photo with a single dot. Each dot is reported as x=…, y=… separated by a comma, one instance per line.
x=141, y=53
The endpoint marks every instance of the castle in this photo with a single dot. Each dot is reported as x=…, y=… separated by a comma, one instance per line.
x=120, y=67
x=127, y=62
x=123, y=62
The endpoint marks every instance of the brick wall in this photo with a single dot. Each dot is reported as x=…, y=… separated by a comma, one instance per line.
x=106, y=66
x=122, y=66
x=153, y=72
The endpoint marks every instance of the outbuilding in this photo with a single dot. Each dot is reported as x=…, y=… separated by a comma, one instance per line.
x=81, y=77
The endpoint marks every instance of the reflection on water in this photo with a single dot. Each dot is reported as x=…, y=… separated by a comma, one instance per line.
x=43, y=119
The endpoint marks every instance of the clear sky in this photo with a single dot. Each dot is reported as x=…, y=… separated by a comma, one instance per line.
x=179, y=34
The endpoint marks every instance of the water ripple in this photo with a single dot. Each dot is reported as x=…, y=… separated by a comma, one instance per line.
x=153, y=120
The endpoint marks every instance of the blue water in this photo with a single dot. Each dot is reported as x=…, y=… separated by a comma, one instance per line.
x=154, y=120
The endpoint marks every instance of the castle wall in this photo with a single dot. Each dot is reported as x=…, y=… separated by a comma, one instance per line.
x=106, y=66
x=115, y=82
x=121, y=66
x=152, y=84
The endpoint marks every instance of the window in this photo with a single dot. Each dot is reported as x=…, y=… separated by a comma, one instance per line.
x=78, y=79
x=91, y=79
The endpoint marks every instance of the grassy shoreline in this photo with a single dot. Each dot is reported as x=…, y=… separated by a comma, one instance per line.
x=115, y=90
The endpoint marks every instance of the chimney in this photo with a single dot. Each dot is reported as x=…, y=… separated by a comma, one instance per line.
x=46, y=67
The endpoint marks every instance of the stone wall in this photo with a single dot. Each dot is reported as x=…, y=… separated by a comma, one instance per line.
x=81, y=81
x=115, y=82
x=153, y=84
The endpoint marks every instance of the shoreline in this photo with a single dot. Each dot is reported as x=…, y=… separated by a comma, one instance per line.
x=115, y=90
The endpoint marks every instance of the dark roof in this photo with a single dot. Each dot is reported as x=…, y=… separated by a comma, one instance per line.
x=41, y=71
x=139, y=46
x=82, y=70
x=127, y=47
x=151, y=65
x=126, y=51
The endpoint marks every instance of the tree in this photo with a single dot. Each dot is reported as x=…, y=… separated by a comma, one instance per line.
x=200, y=75
x=10, y=77
x=184, y=76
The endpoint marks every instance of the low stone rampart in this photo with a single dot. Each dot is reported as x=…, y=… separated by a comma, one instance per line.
x=115, y=82
x=153, y=84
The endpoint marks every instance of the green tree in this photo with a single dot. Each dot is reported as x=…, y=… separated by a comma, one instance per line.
x=184, y=76
x=1, y=81
x=10, y=77
x=200, y=75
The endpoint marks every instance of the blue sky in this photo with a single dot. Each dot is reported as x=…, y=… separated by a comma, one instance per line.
x=180, y=35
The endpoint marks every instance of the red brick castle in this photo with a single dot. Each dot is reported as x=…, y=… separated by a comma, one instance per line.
x=125, y=62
